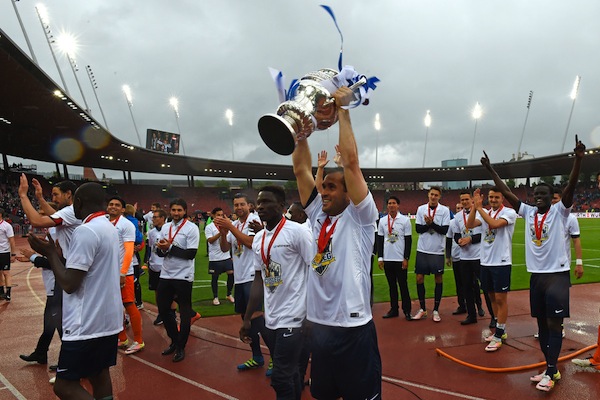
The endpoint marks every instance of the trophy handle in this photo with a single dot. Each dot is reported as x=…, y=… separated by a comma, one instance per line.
x=362, y=81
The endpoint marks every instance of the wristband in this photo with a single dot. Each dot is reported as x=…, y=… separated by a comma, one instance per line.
x=579, y=261
x=380, y=259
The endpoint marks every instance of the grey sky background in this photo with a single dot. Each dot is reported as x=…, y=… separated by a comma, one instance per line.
x=436, y=55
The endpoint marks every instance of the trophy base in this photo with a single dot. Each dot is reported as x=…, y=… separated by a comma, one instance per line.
x=277, y=133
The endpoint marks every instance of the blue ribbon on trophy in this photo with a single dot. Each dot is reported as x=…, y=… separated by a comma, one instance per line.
x=307, y=104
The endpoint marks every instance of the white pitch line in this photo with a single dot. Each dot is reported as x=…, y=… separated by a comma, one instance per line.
x=432, y=389
x=184, y=379
x=12, y=389
x=31, y=289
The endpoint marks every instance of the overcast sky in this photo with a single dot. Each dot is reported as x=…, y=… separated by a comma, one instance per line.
x=436, y=55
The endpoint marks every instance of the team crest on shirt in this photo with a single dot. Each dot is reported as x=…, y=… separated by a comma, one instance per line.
x=490, y=236
x=543, y=237
x=393, y=237
x=238, y=250
x=272, y=276
x=321, y=261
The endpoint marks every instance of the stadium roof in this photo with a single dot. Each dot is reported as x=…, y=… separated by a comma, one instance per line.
x=38, y=121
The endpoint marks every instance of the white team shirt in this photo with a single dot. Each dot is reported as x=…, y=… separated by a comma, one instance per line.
x=496, y=244
x=148, y=219
x=6, y=232
x=550, y=256
x=66, y=224
x=470, y=251
x=393, y=245
x=126, y=232
x=47, y=274
x=154, y=262
x=452, y=229
x=188, y=237
x=284, y=284
x=571, y=230
x=214, y=248
x=432, y=242
x=243, y=260
x=95, y=309
x=339, y=289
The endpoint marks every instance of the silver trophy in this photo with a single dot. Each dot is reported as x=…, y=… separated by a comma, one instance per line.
x=312, y=108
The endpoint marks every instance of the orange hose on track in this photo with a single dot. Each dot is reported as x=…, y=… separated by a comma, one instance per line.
x=512, y=369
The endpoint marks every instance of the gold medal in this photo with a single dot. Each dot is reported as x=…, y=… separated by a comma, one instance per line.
x=537, y=242
x=318, y=258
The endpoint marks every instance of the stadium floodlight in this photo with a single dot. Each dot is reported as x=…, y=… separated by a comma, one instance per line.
x=42, y=13
x=174, y=102
x=94, y=84
x=529, y=100
x=229, y=116
x=377, y=126
x=128, y=97
x=477, y=113
x=14, y=3
x=67, y=43
x=573, y=95
x=427, y=122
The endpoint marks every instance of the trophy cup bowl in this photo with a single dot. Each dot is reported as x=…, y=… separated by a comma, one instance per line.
x=311, y=108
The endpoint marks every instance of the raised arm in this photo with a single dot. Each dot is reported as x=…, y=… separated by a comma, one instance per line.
x=321, y=163
x=303, y=171
x=39, y=195
x=567, y=195
x=355, y=181
x=505, y=190
x=37, y=220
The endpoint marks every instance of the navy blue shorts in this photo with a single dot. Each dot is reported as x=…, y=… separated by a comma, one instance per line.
x=4, y=261
x=84, y=358
x=345, y=362
x=495, y=279
x=242, y=295
x=427, y=264
x=220, y=267
x=549, y=295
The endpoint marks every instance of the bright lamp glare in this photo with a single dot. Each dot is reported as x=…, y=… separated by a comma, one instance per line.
x=174, y=103
x=377, y=122
x=229, y=116
x=127, y=91
x=67, y=43
x=477, y=111
x=575, y=88
x=428, y=119
x=43, y=13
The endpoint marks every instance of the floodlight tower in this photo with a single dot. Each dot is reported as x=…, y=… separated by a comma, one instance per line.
x=477, y=112
x=174, y=102
x=229, y=116
x=573, y=96
x=377, y=126
x=42, y=13
x=68, y=45
x=427, y=122
x=525, y=123
x=14, y=3
x=90, y=74
x=127, y=93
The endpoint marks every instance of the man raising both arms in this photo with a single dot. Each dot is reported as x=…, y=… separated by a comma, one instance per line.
x=345, y=359
x=547, y=261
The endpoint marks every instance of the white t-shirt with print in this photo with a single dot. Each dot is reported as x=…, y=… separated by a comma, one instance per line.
x=284, y=283
x=188, y=237
x=154, y=261
x=339, y=287
x=243, y=260
x=214, y=248
x=469, y=251
x=496, y=244
x=66, y=222
x=393, y=243
x=6, y=232
x=432, y=242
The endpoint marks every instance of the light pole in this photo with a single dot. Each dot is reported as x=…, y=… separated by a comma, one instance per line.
x=174, y=102
x=525, y=123
x=90, y=74
x=229, y=116
x=14, y=3
x=42, y=13
x=68, y=45
x=127, y=93
x=427, y=122
x=377, y=125
x=573, y=96
x=476, y=115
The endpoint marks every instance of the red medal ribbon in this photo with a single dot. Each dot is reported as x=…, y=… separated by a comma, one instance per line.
x=465, y=219
x=538, y=229
x=497, y=212
x=390, y=227
x=116, y=220
x=176, y=232
x=429, y=211
x=94, y=215
x=267, y=258
x=325, y=236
